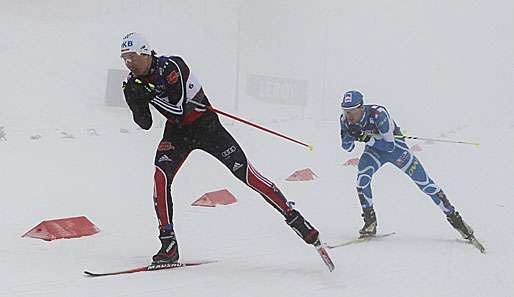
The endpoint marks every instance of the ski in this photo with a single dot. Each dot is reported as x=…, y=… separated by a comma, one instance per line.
x=474, y=241
x=325, y=256
x=359, y=240
x=151, y=267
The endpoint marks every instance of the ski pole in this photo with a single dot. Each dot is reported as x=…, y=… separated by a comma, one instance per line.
x=436, y=140
x=309, y=146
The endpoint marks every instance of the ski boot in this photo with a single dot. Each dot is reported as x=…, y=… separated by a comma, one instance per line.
x=302, y=227
x=370, y=223
x=456, y=221
x=169, y=248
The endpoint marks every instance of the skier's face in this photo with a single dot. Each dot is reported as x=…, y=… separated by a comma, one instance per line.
x=138, y=64
x=353, y=116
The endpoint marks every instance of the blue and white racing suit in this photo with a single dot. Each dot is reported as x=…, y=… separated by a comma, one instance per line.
x=386, y=147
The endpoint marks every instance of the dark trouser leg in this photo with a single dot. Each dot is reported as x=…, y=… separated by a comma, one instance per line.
x=219, y=143
x=168, y=160
x=169, y=157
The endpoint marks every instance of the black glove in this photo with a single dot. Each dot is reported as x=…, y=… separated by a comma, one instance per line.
x=137, y=90
x=363, y=138
x=355, y=130
x=138, y=94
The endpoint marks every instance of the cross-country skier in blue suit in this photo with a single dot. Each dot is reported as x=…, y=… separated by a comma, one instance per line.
x=373, y=125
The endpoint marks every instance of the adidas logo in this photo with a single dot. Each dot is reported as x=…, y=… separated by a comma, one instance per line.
x=164, y=158
x=236, y=166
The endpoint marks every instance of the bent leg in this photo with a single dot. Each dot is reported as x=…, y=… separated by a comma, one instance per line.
x=414, y=169
x=220, y=144
x=369, y=163
x=168, y=160
x=170, y=155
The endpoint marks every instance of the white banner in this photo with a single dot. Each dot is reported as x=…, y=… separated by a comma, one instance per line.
x=277, y=90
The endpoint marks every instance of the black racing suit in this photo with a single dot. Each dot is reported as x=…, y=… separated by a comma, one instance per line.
x=192, y=125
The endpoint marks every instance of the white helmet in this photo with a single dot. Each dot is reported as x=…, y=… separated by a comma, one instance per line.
x=135, y=42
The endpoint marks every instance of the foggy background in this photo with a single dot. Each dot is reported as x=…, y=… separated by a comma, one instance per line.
x=435, y=62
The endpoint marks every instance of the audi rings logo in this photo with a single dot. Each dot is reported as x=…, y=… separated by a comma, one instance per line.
x=228, y=151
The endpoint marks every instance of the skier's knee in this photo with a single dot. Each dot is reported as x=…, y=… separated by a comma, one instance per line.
x=430, y=189
x=363, y=181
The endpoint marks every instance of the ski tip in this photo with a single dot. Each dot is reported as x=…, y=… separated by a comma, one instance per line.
x=94, y=274
x=90, y=274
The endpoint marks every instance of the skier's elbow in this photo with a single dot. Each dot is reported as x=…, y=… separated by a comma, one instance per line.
x=146, y=127
x=348, y=146
x=145, y=122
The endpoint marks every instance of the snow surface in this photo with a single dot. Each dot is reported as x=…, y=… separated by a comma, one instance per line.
x=453, y=65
